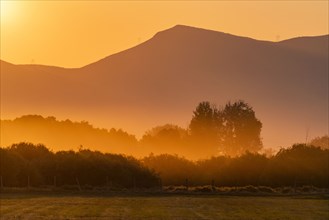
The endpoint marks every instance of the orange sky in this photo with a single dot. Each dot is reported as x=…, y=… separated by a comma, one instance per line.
x=76, y=33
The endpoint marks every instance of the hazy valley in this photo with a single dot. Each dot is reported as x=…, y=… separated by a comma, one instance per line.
x=161, y=81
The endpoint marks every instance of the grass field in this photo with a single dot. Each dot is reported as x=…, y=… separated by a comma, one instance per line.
x=74, y=206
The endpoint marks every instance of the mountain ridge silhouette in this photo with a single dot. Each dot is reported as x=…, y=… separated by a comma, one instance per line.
x=181, y=27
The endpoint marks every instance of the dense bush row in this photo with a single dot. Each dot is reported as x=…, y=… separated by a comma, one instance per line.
x=27, y=164
x=296, y=166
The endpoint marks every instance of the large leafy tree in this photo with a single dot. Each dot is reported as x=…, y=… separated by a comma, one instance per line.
x=167, y=138
x=241, y=129
x=232, y=130
x=204, y=129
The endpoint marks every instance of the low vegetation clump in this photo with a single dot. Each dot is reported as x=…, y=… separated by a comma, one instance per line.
x=204, y=189
x=245, y=190
x=266, y=189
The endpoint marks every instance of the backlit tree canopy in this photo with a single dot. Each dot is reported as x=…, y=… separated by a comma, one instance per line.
x=241, y=129
x=230, y=131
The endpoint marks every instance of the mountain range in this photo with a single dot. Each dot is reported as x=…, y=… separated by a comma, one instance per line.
x=163, y=79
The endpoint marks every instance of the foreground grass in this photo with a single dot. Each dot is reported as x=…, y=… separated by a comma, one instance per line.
x=42, y=206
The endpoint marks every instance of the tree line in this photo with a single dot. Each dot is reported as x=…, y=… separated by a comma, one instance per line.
x=230, y=130
x=25, y=164
x=65, y=135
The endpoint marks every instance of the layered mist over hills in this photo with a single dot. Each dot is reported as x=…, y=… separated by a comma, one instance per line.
x=161, y=81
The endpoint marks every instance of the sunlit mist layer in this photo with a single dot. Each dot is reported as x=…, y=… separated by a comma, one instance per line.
x=166, y=139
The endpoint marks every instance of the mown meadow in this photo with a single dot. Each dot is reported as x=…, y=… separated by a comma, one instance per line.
x=143, y=206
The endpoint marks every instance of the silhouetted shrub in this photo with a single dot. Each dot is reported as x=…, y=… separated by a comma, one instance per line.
x=34, y=164
x=295, y=166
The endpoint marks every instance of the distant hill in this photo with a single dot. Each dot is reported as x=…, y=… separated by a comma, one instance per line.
x=163, y=79
x=314, y=45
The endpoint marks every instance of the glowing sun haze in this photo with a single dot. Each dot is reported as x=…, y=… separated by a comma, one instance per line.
x=76, y=33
